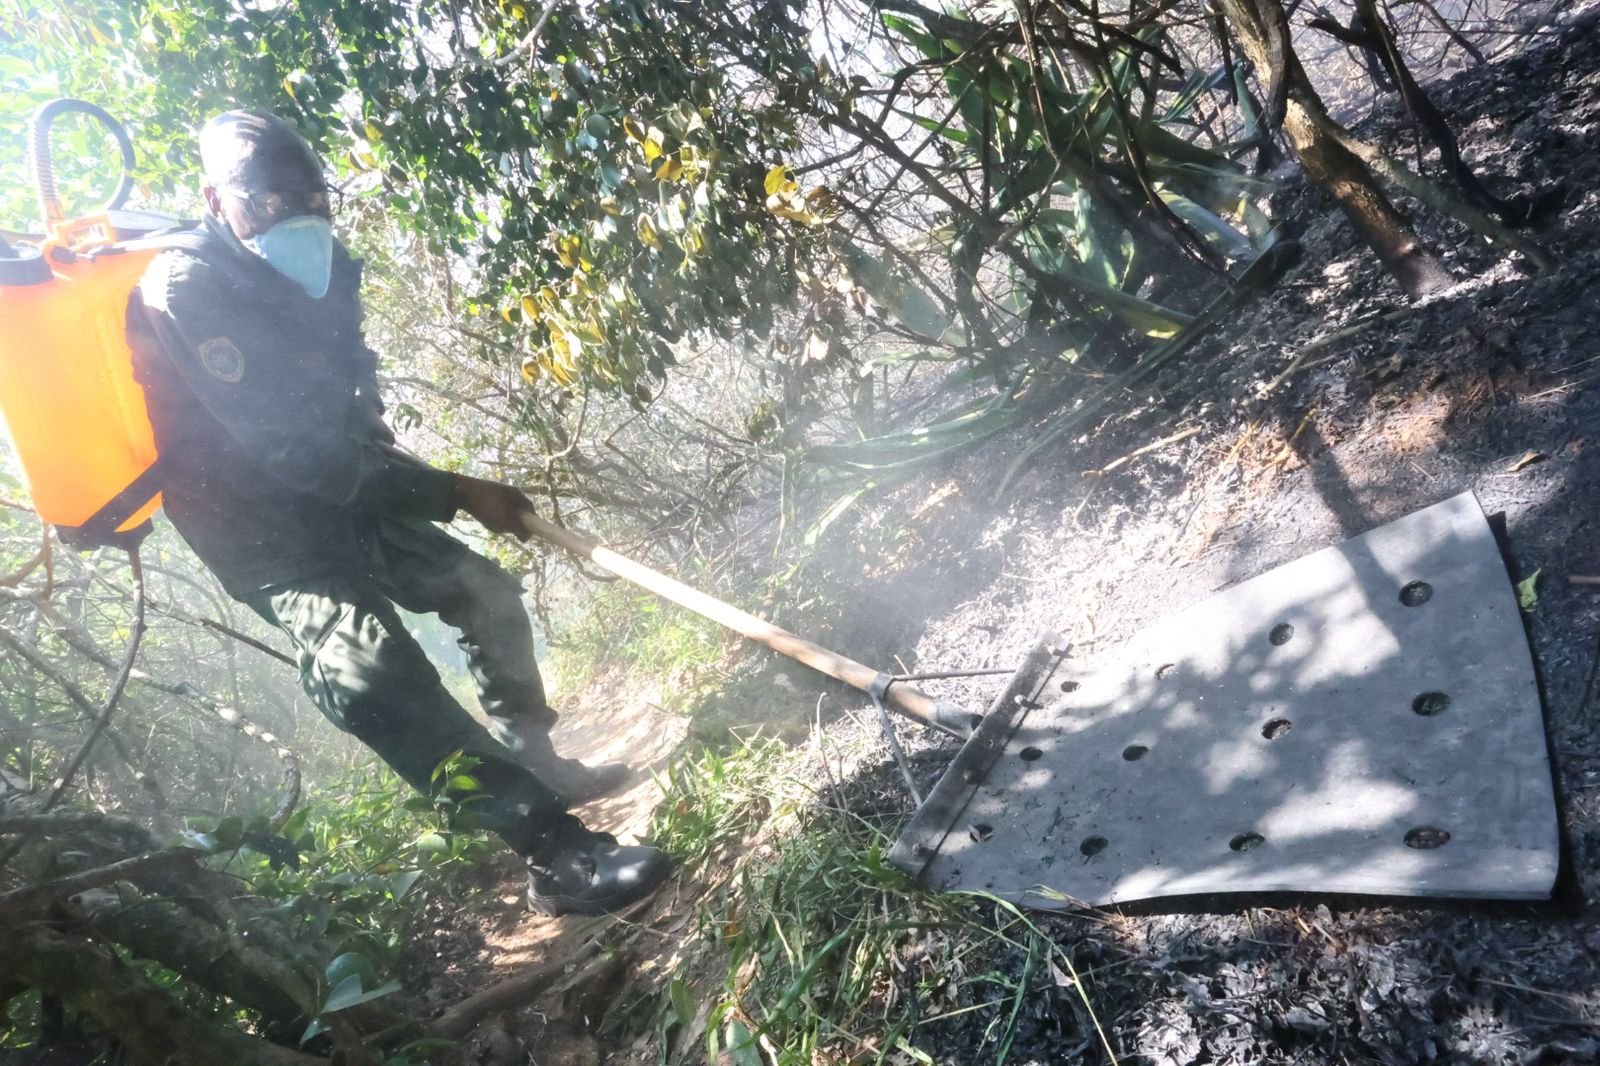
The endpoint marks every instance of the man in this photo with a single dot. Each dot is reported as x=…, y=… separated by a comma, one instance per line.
x=280, y=473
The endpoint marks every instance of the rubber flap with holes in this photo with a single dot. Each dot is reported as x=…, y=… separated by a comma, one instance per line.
x=1362, y=720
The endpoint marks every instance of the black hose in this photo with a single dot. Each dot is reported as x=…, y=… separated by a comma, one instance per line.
x=44, y=171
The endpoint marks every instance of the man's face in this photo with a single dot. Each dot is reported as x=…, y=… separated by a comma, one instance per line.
x=272, y=185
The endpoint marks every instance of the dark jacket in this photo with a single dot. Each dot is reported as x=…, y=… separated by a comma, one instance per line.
x=261, y=399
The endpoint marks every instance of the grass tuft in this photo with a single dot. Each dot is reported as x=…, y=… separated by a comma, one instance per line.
x=817, y=951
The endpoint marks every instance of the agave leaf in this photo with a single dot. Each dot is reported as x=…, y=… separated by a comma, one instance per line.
x=913, y=33
x=1028, y=182
x=1197, y=84
x=1241, y=92
x=897, y=450
x=1161, y=143
x=961, y=81
x=943, y=129
x=910, y=355
x=836, y=510
x=1212, y=228
x=915, y=309
x=1147, y=316
x=1263, y=234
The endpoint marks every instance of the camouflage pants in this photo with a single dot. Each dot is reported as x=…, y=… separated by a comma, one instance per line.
x=369, y=676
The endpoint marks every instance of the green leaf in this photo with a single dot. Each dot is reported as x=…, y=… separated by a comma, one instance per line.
x=229, y=833
x=432, y=844
x=919, y=39
x=682, y=1006
x=894, y=450
x=1528, y=591
x=402, y=883
x=316, y=1028
x=348, y=993
x=350, y=964
x=199, y=841
x=742, y=1050
x=1216, y=232
x=1145, y=315
x=943, y=129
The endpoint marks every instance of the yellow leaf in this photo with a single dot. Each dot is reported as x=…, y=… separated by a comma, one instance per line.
x=531, y=369
x=783, y=210
x=670, y=169
x=565, y=350
x=647, y=232
x=530, y=309
x=689, y=162
x=779, y=183
x=634, y=131
x=653, y=141
x=505, y=312
x=567, y=249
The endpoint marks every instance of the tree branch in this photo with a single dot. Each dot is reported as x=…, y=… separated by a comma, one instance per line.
x=30, y=897
x=154, y=1027
x=118, y=686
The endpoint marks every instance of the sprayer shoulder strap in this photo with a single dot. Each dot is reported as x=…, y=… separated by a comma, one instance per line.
x=195, y=240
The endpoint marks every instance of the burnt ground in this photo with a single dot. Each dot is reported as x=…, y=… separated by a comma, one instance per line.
x=1390, y=407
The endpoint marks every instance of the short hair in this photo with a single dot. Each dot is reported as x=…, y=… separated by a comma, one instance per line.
x=232, y=144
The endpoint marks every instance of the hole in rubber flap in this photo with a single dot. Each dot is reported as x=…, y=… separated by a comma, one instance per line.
x=1430, y=703
x=1165, y=670
x=980, y=831
x=1281, y=634
x=1416, y=593
x=1092, y=846
x=1276, y=728
x=1069, y=686
x=1029, y=754
x=1246, y=841
x=1427, y=837
x=1135, y=752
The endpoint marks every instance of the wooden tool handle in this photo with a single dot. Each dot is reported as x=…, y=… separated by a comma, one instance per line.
x=902, y=697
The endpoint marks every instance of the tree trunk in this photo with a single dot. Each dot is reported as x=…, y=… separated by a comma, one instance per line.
x=151, y=1025
x=1327, y=162
x=155, y=929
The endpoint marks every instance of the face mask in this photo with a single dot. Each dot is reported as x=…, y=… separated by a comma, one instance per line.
x=301, y=249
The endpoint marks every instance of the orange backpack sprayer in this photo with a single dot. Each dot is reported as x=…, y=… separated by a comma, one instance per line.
x=75, y=415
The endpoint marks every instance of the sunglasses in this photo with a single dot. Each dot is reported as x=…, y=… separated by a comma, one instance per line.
x=270, y=208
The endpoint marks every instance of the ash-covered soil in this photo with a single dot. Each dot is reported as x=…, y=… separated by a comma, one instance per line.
x=1389, y=407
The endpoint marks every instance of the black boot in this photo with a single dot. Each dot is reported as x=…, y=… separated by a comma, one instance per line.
x=580, y=872
x=573, y=781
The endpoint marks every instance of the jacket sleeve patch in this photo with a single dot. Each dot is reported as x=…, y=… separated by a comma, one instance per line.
x=222, y=359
